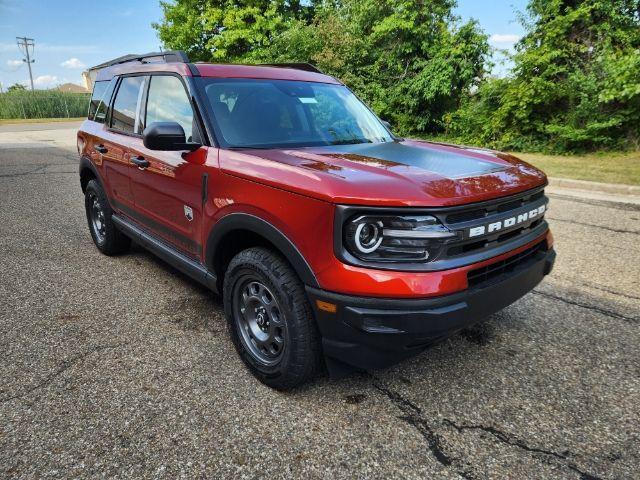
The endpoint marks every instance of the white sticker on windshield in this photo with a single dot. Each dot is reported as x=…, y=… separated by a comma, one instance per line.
x=308, y=100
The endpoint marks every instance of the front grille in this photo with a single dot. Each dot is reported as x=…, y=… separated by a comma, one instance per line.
x=497, y=207
x=489, y=274
x=465, y=218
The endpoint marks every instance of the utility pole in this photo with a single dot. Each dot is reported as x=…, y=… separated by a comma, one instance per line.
x=26, y=44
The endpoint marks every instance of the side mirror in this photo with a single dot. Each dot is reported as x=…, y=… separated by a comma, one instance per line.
x=167, y=136
x=386, y=124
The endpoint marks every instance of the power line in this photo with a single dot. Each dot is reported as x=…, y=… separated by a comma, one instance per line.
x=24, y=44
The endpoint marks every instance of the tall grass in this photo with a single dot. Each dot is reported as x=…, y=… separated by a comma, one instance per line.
x=43, y=104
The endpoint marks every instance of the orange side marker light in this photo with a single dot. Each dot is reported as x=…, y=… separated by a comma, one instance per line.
x=326, y=306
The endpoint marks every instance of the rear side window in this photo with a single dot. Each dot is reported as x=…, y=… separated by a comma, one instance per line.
x=168, y=102
x=102, y=109
x=125, y=114
x=98, y=93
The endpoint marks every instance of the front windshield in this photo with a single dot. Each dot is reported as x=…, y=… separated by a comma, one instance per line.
x=256, y=113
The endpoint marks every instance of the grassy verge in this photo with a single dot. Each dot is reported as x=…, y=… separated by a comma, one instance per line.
x=42, y=104
x=39, y=120
x=604, y=167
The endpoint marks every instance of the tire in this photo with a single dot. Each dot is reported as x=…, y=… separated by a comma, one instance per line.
x=106, y=236
x=272, y=324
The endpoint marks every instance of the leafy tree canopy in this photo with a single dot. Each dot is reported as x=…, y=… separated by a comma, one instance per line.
x=16, y=87
x=575, y=84
x=411, y=60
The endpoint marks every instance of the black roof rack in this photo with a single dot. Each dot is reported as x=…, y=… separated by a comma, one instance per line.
x=169, y=56
x=178, y=56
x=298, y=66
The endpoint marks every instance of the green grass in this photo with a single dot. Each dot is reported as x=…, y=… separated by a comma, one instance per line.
x=607, y=167
x=43, y=104
x=40, y=120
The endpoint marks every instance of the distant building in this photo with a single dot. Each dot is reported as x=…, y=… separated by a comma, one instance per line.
x=88, y=77
x=71, y=88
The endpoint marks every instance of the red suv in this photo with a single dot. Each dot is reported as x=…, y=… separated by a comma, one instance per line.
x=332, y=241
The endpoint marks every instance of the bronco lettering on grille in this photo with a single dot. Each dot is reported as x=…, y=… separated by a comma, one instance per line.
x=507, y=222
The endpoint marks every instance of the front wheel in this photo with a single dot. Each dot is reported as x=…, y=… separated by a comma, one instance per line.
x=270, y=319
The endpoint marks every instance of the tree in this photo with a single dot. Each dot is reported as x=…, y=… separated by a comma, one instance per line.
x=575, y=83
x=410, y=59
x=16, y=87
x=226, y=30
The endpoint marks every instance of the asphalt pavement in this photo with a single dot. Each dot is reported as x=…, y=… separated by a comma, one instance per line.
x=121, y=367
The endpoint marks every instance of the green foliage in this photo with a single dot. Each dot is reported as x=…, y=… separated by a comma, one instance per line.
x=410, y=59
x=42, y=104
x=226, y=30
x=16, y=87
x=575, y=85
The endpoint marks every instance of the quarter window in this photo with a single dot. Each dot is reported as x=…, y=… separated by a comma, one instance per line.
x=102, y=109
x=125, y=115
x=98, y=93
x=168, y=102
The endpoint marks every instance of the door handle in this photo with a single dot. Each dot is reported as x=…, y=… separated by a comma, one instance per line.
x=101, y=148
x=140, y=162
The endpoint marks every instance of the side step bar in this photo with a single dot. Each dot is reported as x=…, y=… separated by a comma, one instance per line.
x=186, y=265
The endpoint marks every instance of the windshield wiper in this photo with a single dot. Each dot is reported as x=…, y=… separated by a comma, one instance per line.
x=350, y=141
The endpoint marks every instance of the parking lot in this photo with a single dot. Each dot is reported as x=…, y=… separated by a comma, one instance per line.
x=122, y=367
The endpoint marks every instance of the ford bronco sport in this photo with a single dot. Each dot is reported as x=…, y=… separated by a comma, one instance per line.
x=332, y=241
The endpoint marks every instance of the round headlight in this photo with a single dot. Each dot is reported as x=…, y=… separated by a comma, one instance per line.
x=395, y=238
x=368, y=236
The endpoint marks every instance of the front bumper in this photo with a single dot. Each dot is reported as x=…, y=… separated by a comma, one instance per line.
x=366, y=332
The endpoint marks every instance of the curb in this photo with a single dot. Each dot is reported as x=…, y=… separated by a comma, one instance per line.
x=612, y=188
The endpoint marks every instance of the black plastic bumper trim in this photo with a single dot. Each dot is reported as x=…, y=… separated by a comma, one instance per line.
x=368, y=332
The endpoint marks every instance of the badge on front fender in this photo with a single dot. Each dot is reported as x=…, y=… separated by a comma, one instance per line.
x=188, y=212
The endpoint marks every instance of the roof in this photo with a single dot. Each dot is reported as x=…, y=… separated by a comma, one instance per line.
x=152, y=57
x=261, y=71
x=108, y=73
x=282, y=72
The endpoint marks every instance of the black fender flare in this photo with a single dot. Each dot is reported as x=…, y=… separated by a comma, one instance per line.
x=86, y=164
x=252, y=223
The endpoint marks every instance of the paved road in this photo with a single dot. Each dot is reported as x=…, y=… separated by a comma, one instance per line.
x=121, y=367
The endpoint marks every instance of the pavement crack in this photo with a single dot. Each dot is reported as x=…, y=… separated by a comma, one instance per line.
x=40, y=165
x=433, y=440
x=33, y=172
x=603, y=311
x=505, y=438
x=585, y=224
x=611, y=291
x=508, y=439
x=30, y=172
x=402, y=403
x=63, y=367
x=412, y=415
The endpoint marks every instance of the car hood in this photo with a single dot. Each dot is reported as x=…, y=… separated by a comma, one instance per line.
x=402, y=173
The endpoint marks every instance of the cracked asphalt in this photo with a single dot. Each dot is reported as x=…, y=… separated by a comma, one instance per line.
x=122, y=368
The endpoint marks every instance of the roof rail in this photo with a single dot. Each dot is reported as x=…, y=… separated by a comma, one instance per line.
x=297, y=66
x=169, y=56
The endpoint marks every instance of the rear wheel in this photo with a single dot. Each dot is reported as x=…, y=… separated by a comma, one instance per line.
x=106, y=236
x=270, y=319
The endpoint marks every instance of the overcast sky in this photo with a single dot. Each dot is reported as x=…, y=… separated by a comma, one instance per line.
x=71, y=35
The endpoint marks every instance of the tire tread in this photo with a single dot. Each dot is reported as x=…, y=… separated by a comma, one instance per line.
x=305, y=356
